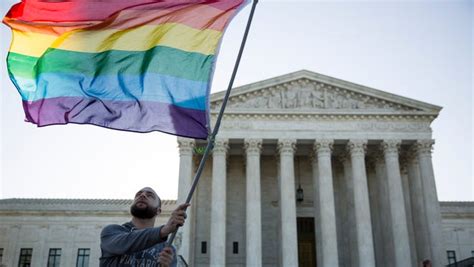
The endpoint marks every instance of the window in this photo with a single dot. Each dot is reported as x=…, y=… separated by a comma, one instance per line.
x=1, y=255
x=25, y=257
x=54, y=257
x=203, y=247
x=451, y=256
x=83, y=257
x=235, y=247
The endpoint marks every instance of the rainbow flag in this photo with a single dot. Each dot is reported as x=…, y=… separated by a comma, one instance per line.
x=134, y=65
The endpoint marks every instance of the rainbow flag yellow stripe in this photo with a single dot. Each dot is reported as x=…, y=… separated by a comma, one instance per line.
x=170, y=35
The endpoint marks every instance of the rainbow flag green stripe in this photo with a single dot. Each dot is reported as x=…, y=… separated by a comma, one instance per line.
x=140, y=65
x=159, y=59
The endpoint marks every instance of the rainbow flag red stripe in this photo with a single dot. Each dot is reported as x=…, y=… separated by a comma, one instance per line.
x=135, y=65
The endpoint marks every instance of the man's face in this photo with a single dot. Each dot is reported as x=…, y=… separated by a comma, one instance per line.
x=146, y=204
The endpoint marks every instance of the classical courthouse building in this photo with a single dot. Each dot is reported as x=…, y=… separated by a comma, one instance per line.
x=307, y=170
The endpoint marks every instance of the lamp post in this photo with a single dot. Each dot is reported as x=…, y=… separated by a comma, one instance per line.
x=299, y=191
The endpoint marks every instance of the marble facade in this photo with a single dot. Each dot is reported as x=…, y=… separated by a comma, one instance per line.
x=364, y=158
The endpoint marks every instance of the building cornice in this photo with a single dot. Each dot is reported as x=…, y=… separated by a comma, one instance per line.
x=457, y=209
x=309, y=76
x=336, y=115
x=71, y=206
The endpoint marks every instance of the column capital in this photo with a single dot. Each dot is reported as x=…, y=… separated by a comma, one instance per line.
x=286, y=146
x=253, y=146
x=391, y=146
x=186, y=145
x=424, y=147
x=323, y=146
x=221, y=146
x=357, y=147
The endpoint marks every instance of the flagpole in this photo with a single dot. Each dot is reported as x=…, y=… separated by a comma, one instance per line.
x=212, y=137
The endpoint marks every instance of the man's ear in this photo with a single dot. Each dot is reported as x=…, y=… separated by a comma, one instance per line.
x=158, y=211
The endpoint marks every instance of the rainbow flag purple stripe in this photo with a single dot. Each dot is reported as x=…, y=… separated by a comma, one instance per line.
x=136, y=65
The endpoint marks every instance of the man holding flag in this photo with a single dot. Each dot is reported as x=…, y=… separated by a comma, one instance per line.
x=138, y=242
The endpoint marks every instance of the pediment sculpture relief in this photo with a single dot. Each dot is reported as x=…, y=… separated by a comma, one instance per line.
x=308, y=95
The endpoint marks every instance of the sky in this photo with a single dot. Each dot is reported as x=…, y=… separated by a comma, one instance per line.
x=416, y=49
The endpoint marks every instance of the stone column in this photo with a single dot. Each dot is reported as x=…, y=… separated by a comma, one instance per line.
x=432, y=210
x=348, y=248
x=373, y=182
x=385, y=218
x=365, y=243
x=317, y=221
x=407, y=198
x=186, y=147
x=253, y=148
x=289, y=241
x=323, y=149
x=420, y=224
x=218, y=204
x=401, y=240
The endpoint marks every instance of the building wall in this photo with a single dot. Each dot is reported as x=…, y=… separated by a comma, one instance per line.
x=44, y=228
x=42, y=232
x=458, y=228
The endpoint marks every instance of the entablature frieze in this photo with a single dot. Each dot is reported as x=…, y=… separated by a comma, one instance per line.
x=304, y=93
x=233, y=126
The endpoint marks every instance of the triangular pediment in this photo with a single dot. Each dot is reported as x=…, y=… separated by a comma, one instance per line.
x=310, y=92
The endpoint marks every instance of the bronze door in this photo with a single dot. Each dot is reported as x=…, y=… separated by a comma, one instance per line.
x=306, y=242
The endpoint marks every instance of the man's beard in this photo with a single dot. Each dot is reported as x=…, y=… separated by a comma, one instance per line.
x=143, y=213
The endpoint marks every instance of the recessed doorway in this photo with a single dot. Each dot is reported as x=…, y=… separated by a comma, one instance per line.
x=306, y=242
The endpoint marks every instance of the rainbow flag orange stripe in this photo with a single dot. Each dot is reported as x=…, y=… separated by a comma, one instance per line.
x=135, y=65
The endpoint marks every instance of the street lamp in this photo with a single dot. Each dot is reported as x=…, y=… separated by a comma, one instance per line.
x=299, y=194
x=299, y=191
